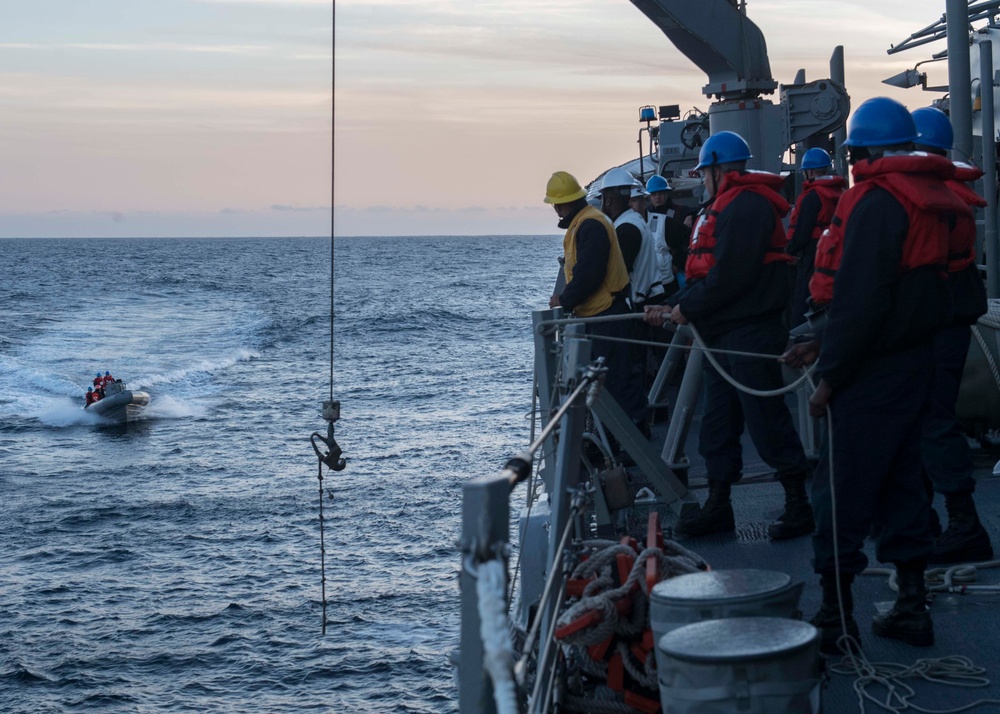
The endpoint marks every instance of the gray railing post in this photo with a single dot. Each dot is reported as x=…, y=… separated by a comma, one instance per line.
x=485, y=532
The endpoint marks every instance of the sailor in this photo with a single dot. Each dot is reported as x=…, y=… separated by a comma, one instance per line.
x=737, y=293
x=675, y=224
x=889, y=248
x=812, y=214
x=946, y=454
x=637, y=201
x=99, y=385
x=106, y=378
x=597, y=284
x=92, y=396
x=633, y=238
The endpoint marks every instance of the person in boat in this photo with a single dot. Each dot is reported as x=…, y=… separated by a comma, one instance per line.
x=811, y=216
x=739, y=285
x=881, y=270
x=92, y=396
x=597, y=284
x=947, y=457
x=106, y=378
x=674, y=228
x=99, y=384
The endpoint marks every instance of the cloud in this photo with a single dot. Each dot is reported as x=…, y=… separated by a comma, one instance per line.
x=280, y=207
x=428, y=220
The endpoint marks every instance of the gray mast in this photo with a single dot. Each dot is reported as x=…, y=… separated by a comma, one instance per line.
x=960, y=77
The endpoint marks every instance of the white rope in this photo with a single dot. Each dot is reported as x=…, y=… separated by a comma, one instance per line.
x=599, y=596
x=498, y=652
x=992, y=316
x=953, y=671
x=710, y=353
x=742, y=387
x=981, y=341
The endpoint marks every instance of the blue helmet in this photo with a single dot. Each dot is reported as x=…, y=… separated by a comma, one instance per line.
x=107, y=374
x=726, y=147
x=933, y=128
x=816, y=158
x=98, y=374
x=90, y=389
x=657, y=183
x=880, y=122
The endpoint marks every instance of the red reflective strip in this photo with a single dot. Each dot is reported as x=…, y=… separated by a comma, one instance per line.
x=580, y=623
x=654, y=539
x=643, y=704
x=616, y=673
x=597, y=652
x=575, y=587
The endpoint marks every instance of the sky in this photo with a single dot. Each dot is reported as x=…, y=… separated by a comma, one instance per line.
x=451, y=116
x=163, y=118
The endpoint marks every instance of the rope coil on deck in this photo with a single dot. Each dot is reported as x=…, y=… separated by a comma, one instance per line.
x=606, y=631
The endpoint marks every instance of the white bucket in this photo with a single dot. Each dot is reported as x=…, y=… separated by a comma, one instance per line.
x=751, y=665
x=720, y=594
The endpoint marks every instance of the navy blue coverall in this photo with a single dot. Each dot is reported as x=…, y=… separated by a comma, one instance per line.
x=876, y=355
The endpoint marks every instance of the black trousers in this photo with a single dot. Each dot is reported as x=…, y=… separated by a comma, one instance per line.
x=624, y=381
x=946, y=454
x=877, y=472
x=727, y=409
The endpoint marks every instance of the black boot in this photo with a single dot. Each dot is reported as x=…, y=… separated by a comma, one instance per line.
x=827, y=620
x=964, y=540
x=716, y=516
x=797, y=520
x=908, y=620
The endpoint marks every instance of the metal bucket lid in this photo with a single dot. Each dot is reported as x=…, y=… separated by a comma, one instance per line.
x=719, y=586
x=738, y=639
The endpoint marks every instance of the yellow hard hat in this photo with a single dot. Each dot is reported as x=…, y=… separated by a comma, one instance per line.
x=563, y=188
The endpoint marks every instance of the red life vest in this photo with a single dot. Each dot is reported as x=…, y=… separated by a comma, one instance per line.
x=829, y=189
x=91, y=398
x=962, y=242
x=916, y=180
x=701, y=258
x=105, y=379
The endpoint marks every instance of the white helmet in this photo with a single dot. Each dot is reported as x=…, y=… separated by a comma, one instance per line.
x=617, y=178
x=638, y=190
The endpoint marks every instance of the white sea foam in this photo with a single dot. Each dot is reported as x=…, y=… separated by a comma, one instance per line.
x=21, y=377
x=61, y=413
x=166, y=407
x=207, y=367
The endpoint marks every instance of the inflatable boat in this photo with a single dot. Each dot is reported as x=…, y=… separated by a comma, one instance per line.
x=119, y=404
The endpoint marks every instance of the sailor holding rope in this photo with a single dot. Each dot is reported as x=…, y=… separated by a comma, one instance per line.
x=738, y=290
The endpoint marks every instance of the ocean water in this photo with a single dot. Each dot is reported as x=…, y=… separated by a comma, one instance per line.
x=173, y=564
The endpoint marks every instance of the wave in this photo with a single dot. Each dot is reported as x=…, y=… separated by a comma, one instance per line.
x=207, y=367
x=28, y=377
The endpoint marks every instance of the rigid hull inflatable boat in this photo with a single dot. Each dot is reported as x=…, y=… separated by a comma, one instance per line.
x=119, y=404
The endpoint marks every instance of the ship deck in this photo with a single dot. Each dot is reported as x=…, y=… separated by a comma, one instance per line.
x=966, y=625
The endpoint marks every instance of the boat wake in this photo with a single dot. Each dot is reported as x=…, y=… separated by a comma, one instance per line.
x=202, y=368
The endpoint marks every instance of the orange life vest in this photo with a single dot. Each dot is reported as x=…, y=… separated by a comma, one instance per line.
x=962, y=242
x=701, y=257
x=829, y=189
x=917, y=181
